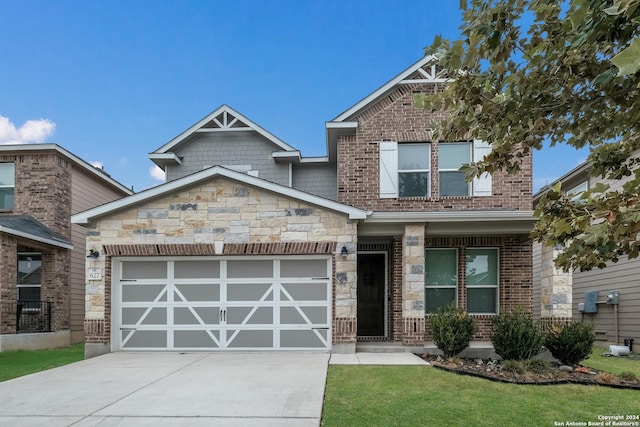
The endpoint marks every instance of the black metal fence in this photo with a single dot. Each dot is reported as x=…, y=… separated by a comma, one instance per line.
x=30, y=316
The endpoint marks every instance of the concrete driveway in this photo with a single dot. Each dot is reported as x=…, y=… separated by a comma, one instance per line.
x=171, y=389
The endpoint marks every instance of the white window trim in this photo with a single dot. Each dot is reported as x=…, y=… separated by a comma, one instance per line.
x=576, y=192
x=457, y=284
x=469, y=185
x=496, y=286
x=12, y=186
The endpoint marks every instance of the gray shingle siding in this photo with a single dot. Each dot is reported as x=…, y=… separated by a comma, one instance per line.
x=318, y=179
x=229, y=148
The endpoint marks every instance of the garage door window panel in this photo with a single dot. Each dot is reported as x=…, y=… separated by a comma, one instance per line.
x=137, y=270
x=145, y=339
x=249, y=338
x=314, y=291
x=198, y=292
x=196, y=339
x=143, y=293
x=249, y=315
x=204, y=269
x=249, y=292
x=249, y=269
x=303, y=268
x=303, y=338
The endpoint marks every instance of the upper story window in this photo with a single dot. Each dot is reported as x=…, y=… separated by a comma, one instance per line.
x=7, y=185
x=405, y=169
x=576, y=192
x=414, y=169
x=451, y=157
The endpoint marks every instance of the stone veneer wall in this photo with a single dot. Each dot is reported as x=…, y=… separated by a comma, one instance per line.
x=192, y=220
x=555, y=287
x=413, y=285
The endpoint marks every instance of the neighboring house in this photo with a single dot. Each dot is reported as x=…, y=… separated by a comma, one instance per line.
x=42, y=255
x=560, y=295
x=250, y=246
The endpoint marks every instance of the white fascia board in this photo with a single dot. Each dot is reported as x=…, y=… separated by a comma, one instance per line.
x=341, y=125
x=318, y=159
x=87, y=216
x=578, y=170
x=291, y=156
x=82, y=163
x=384, y=88
x=35, y=238
x=175, y=141
x=451, y=216
x=162, y=159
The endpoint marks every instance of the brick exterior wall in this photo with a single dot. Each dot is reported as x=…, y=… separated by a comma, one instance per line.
x=396, y=119
x=42, y=190
x=246, y=220
x=515, y=275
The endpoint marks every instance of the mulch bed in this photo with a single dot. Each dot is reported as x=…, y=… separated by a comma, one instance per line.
x=493, y=370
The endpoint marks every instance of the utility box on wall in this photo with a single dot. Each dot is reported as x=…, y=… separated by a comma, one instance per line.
x=613, y=297
x=591, y=302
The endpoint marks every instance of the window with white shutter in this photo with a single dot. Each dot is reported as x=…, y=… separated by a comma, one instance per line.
x=481, y=184
x=388, y=169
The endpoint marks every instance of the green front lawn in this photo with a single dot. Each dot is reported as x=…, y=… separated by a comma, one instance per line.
x=426, y=396
x=22, y=362
x=614, y=365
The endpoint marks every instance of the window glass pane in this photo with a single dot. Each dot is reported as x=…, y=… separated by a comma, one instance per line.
x=439, y=297
x=453, y=155
x=482, y=267
x=29, y=269
x=414, y=184
x=441, y=267
x=453, y=184
x=481, y=300
x=30, y=293
x=413, y=156
x=7, y=174
x=6, y=198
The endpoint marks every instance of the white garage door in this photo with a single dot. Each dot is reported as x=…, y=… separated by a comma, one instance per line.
x=238, y=303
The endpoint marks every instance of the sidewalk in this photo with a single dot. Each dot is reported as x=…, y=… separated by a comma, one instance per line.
x=376, y=359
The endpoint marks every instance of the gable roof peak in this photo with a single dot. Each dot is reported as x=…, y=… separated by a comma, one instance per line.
x=223, y=118
x=416, y=73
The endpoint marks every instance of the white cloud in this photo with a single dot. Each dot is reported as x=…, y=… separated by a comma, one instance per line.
x=32, y=131
x=157, y=173
x=97, y=164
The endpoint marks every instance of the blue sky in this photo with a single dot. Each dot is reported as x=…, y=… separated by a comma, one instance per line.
x=113, y=80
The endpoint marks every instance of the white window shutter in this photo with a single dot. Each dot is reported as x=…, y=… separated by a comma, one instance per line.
x=481, y=184
x=388, y=170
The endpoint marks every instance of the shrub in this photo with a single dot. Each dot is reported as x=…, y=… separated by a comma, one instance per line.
x=452, y=330
x=627, y=376
x=515, y=336
x=514, y=366
x=571, y=342
x=538, y=366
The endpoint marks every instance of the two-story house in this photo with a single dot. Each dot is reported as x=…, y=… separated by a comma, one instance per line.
x=249, y=245
x=42, y=255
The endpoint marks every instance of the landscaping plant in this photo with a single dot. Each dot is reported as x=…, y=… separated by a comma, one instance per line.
x=515, y=336
x=571, y=342
x=452, y=330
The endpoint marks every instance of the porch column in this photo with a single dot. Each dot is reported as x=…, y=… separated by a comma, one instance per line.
x=413, y=285
x=555, y=287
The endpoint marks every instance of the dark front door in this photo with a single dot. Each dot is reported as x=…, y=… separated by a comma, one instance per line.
x=371, y=295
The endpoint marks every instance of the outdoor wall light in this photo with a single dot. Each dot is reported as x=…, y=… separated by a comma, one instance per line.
x=93, y=254
x=344, y=251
